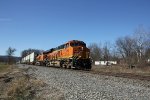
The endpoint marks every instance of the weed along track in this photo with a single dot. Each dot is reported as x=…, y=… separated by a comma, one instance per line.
x=79, y=84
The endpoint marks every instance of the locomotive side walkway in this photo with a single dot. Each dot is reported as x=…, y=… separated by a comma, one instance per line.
x=77, y=85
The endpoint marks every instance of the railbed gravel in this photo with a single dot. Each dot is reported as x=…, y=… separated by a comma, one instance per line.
x=78, y=85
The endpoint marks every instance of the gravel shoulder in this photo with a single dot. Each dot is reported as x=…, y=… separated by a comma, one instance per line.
x=77, y=85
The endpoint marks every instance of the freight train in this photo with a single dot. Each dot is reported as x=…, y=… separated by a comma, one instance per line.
x=73, y=54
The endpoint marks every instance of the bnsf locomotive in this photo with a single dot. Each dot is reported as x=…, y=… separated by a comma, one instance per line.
x=73, y=54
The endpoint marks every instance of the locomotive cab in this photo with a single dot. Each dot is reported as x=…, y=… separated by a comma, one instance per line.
x=80, y=54
x=80, y=50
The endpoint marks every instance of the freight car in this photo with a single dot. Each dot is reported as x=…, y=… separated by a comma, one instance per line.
x=30, y=59
x=73, y=54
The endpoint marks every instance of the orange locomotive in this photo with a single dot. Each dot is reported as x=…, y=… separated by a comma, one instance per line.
x=73, y=54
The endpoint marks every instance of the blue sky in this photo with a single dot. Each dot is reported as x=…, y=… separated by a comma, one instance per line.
x=44, y=24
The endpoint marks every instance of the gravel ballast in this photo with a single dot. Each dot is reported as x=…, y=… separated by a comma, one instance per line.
x=78, y=85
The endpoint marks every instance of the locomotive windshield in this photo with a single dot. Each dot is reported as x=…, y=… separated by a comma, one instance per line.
x=74, y=44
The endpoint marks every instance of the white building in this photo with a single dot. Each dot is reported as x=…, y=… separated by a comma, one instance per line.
x=148, y=60
x=105, y=62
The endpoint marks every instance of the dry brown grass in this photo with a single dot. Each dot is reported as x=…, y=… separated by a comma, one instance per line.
x=17, y=85
x=118, y=69
x=23, y=88
x=3, y=67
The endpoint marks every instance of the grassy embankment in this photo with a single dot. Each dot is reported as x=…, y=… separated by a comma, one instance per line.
x=16, y=84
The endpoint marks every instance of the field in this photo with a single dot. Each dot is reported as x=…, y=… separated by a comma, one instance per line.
x=136, y=73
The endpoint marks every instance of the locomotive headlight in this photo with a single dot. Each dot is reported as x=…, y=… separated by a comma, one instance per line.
x=82, y=48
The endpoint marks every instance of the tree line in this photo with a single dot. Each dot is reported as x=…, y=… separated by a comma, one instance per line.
x=10, y=59
x=29, y=51
x=131, y=50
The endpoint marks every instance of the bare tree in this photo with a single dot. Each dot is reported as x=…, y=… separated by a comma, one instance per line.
x=96, y=51
x=10, y=53
x=29, y=51
x=125, y=46
x=147, y=53
x=114, y=53
x=106, y=51
x=142, y=39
